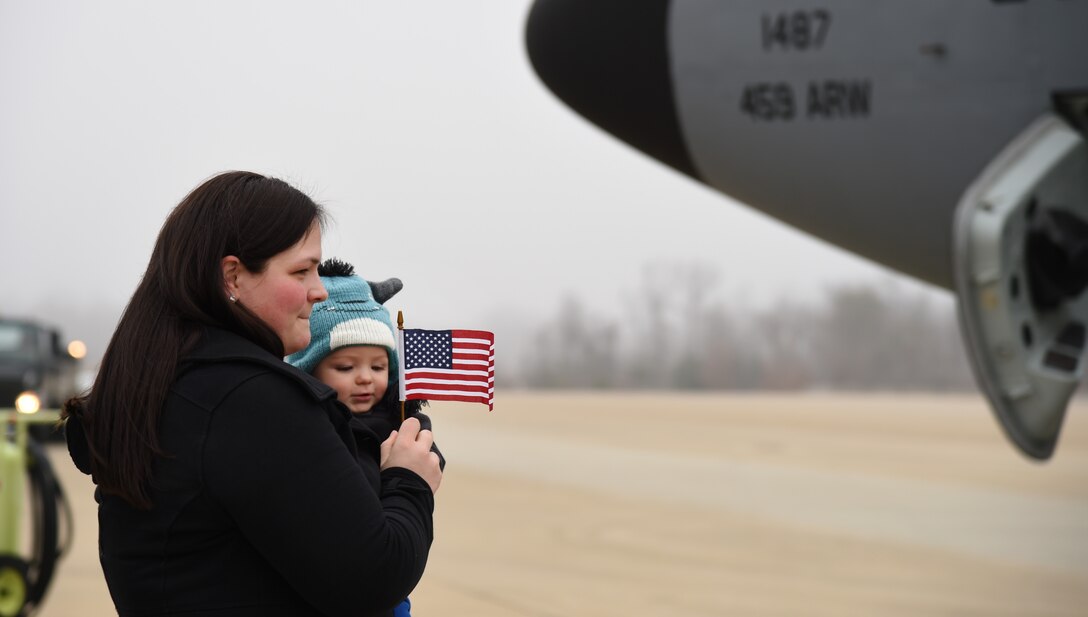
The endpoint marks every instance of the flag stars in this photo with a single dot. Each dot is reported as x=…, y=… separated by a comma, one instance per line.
x=428, y=349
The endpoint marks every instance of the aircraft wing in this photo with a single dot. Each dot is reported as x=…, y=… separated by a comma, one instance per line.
x=943, y=139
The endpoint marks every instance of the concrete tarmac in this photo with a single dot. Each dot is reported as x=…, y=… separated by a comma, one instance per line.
x=637, y=504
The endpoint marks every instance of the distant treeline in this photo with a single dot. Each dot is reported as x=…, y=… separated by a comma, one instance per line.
x=677, y=333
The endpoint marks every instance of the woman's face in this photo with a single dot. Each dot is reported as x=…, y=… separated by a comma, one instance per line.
x=283, y=295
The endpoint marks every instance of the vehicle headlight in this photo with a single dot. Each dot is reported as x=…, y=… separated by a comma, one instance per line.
x=28, y=402
x=77, y=349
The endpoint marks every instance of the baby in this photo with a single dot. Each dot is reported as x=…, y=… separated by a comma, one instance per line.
x=353, y=350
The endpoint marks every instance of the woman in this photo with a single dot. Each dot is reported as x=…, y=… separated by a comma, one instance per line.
x=227, y=482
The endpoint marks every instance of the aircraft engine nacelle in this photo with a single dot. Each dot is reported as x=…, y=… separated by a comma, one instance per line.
x=942, y=139
x=1021, y=265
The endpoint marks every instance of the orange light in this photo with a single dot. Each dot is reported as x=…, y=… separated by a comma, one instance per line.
x=77, y=349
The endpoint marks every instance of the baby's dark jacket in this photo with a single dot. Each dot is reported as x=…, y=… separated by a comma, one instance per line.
x=383, y=419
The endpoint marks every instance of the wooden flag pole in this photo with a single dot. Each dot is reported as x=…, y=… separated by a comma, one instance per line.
x=400, y=327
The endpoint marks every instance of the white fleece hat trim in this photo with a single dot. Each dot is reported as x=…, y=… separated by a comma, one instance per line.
x=361, y=331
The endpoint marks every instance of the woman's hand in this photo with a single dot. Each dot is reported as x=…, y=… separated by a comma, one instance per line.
x=410, y=448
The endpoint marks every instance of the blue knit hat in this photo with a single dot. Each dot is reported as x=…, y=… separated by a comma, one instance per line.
x=352, y=315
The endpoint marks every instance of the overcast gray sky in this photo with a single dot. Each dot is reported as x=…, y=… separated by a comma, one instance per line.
x=419, y=125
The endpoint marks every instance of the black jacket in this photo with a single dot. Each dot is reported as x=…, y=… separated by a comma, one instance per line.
x=385, y=418
x=260, y=507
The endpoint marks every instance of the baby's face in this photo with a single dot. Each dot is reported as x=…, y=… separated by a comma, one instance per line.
x=360, y=375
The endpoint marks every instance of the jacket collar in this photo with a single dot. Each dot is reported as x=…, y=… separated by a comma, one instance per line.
x=219, y=345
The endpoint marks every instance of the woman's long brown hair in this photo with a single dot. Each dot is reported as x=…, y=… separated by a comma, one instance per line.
x=235, y=213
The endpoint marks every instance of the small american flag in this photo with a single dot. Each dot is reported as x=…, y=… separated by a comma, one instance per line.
x=447, y=365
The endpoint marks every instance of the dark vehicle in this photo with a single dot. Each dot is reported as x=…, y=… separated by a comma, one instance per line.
x=37, y=364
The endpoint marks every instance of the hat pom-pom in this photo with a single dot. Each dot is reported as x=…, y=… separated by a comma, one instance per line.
x=335, y=267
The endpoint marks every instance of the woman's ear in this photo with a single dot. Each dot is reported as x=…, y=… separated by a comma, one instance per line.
x=231, y=267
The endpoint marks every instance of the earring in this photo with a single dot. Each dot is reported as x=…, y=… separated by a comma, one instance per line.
x=232, y=298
